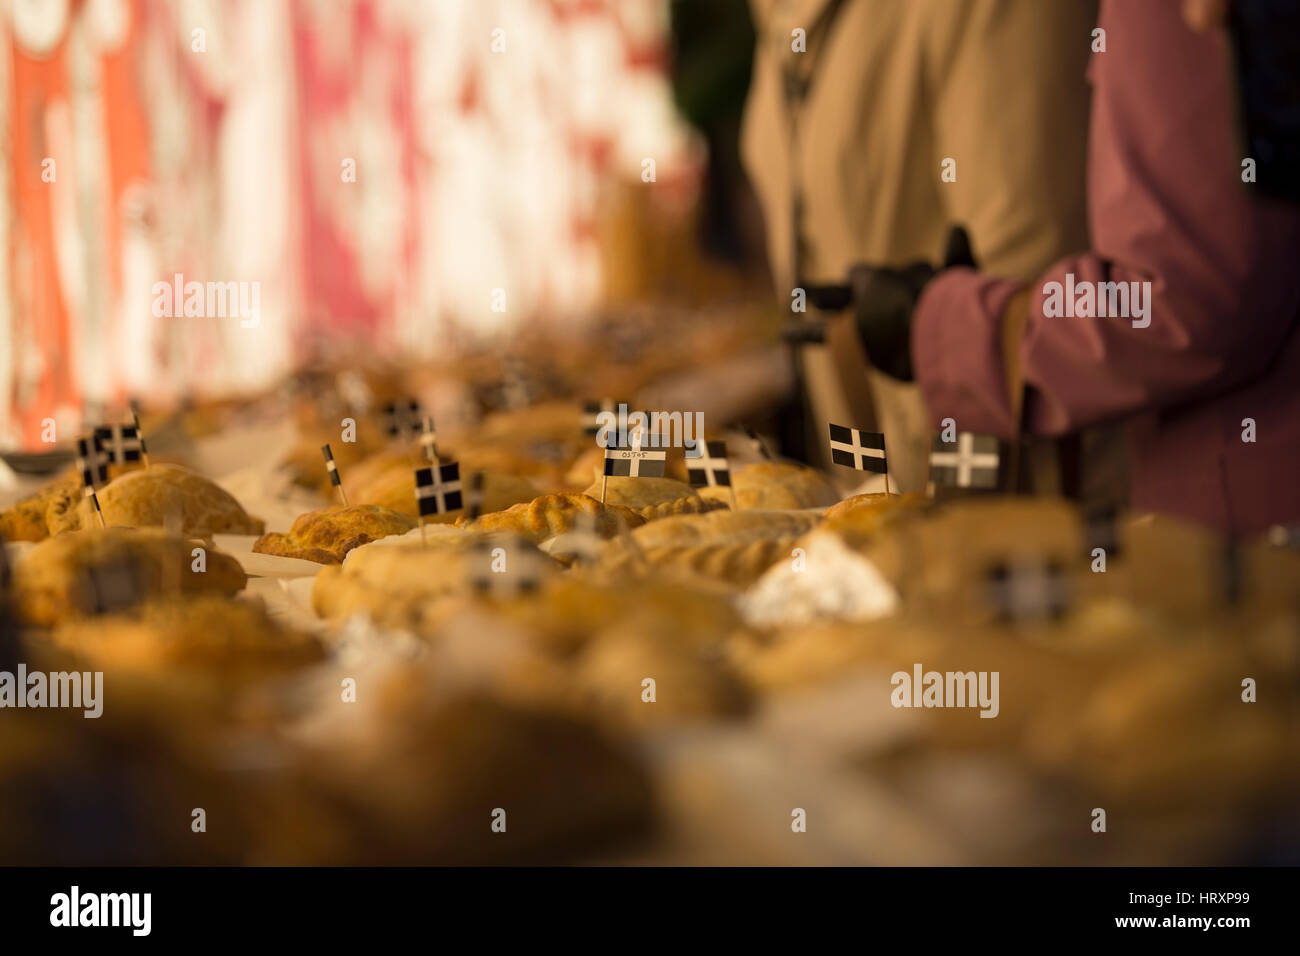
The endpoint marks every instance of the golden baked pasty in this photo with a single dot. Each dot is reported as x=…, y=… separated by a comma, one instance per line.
x=160, y=496
x=739, y=564
x=725, y=527
x=327, y=535
x=652, y=498
x=776, y=484
x=550, y=515
x=210, y=635
x=105, y=569
x=28, y=519
x=612, y=673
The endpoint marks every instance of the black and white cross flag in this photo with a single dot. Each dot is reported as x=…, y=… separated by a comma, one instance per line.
x=93, y=463
x=121, y=443
x=330, y=467
x=591, y=412
x=139, y=434
x=402, y=418
x=972, y=461
x=474, y=500
x=429, y=440
x=862, y=451
x=504, y=567
x=708, y=468
x=1028, y=590
x=437, y=489
x=633, y=460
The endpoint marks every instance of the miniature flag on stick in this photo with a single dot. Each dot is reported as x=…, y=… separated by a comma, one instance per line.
x=437, y=489
x=859, y=450
x=475, y=498
x=94, y=470
x=139, y=433
x=632, y=461
x=972, y=461
x=504, y=567
x=121, y=444
x=709, y=468
x=429, y=440
x=402, y=418
x=333, y=470
x=1028, y=590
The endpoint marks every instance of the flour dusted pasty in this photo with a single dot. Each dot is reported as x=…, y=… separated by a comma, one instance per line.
x=160, y=496
x=105, y=569
x=550, y=515
x=326, y=536
x=211, y=635
x=776, y=484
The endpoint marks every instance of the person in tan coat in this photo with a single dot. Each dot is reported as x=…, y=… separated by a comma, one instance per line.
x=887, y=122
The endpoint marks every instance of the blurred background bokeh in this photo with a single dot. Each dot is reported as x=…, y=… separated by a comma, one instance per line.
x=377, y=167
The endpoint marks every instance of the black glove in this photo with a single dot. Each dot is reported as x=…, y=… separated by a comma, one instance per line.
x=885, y=299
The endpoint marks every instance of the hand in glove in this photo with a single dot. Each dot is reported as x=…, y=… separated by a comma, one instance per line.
x=884, y=300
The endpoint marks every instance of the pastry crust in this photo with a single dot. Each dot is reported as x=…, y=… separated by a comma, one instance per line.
x=725, y=527
x=83, y=572
x=31, y=518
x=652, y=498
x=160, y=496
x=209, y=635
x=326, y=536
x=776, y=485
x=551, y=515
x=740, y=564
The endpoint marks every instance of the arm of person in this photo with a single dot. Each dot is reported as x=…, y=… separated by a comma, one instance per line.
x=1216, y=292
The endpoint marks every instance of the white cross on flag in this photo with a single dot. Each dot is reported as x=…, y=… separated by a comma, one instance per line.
x=633, y=461
x=861, y=451
x=121, y=443
x=504, y=566
x=708, y=468
x=1028, y=590
x=972, y=461
x=402, y=418
x=93, y=463
x=437, y=490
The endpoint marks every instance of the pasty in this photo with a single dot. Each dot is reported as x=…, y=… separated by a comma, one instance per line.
x=550, y=515
x=388, y=479
x=105, y=569
x=160, y=496
x=326, y=536
x=776, y=484
x=652, y=498
x=208, y=634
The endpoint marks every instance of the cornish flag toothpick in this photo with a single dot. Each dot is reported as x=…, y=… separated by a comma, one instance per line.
x=429, y=440
x=862, y=451
x=402, y=418
x=121, y=443
x=709, y=468
x=633, y=460
x=333, y=471
x=437, y=489
x=92, y=461
x=972, y=461
x=1027, y=590
x=93, y=471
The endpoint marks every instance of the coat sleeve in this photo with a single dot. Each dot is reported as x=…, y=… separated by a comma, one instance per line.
x=1168, y=207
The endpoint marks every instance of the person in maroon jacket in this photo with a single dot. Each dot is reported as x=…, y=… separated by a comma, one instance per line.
x=1203, y=357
